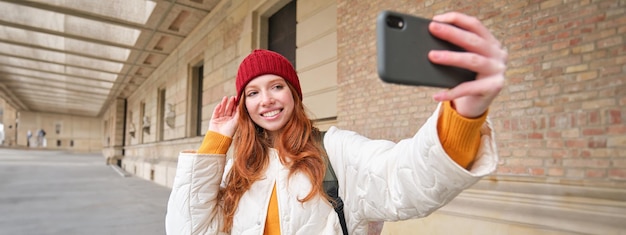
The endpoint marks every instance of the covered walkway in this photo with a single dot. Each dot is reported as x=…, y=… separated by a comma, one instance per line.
x=53, y=192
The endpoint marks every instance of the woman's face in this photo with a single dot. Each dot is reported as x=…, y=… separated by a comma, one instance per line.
x=269, y=102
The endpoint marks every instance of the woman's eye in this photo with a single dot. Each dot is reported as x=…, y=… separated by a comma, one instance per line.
x=278, y=87
x=252, y=93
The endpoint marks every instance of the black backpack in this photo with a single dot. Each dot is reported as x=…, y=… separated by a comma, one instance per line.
x=331, y=187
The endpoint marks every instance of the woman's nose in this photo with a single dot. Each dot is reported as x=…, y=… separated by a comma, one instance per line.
x=267, y=99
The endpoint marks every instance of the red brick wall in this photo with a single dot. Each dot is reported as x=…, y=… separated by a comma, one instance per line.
x=561, y=116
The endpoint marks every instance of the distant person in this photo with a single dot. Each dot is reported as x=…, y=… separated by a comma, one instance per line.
x=41, y=138
x=1, y=134
x=29, y=134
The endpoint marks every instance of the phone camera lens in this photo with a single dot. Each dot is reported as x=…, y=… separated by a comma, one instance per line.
x=395, y=22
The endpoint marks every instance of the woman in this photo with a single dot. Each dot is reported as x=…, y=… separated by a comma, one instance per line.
x=273, y=182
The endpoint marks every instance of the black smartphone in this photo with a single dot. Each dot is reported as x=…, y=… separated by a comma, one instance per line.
x=402, y=45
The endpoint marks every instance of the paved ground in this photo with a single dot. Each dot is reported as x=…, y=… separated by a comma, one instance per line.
x=51, y=192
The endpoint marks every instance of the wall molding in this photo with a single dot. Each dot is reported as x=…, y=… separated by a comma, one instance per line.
x=564, y=208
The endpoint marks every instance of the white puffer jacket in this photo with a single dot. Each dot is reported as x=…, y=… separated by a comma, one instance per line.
x=378, y=181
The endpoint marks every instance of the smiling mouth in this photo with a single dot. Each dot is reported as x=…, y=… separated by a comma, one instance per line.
x=271, y=113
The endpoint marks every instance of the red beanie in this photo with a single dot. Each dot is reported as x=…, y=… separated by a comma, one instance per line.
x=261, y=62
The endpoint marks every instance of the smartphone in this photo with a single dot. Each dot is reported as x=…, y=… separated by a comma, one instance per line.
x=402, y=45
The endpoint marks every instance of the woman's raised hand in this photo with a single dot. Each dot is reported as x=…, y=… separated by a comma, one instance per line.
x=225, y=115
x=484, y=55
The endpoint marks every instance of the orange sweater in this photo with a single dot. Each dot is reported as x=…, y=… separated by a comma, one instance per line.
x=459, y=136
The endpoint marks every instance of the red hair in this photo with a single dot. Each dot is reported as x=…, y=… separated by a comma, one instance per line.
x=298, y=141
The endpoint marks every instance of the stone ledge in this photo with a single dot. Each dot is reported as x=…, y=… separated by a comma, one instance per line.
x=563, y=208
x=120, y=171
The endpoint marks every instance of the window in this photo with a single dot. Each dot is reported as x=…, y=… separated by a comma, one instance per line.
x=282, y=32
x=200, y=93
x=131, y=128
x=195, y=97
x=107, y=133
x=160, y=114
x=143, y=122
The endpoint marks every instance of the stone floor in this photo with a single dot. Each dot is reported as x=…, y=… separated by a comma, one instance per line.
x=52, y=192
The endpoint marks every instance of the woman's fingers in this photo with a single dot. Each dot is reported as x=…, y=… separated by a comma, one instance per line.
x=233, y=112
x=226, y=108
x=468, y=40
x=469, y=34
x=218, y=111
x=230, y=105
x=489, y=79
x=466, y=60
x=469, y=23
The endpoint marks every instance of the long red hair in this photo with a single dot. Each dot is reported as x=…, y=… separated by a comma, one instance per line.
x=298, y=141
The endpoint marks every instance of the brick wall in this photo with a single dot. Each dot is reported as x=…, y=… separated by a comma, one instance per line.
x=561, y=116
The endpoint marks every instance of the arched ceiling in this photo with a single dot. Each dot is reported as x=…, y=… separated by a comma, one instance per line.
x=76, y=56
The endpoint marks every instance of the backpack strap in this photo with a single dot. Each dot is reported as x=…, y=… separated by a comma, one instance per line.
x=331, y=187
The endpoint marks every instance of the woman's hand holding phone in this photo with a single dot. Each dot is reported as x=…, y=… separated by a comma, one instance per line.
x=484, y=55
